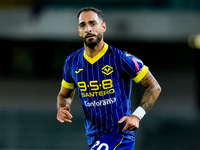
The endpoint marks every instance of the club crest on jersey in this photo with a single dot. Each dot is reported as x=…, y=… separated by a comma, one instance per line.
x=107, y=70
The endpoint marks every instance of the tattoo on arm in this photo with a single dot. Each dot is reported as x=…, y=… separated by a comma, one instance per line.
x=152, y=92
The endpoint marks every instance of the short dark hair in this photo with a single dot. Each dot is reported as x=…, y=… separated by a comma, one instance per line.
x=97, y=11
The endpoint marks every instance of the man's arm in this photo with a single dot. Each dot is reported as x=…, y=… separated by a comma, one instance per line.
x=150, y=96
x=65, y=97
x=64, y=100
x=152, y=92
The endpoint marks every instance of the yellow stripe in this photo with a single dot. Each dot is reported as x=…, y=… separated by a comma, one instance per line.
x=119, y=143
x=141, y=75
x=68, y=85
x=98, y=56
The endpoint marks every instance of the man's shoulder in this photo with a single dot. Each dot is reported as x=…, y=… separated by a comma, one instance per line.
x=76, y=53
x=115, y=50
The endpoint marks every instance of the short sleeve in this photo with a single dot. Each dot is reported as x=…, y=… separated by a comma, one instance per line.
x=134, y=67
x=67, y=81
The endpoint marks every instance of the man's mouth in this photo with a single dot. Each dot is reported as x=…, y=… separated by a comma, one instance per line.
x=89, y=36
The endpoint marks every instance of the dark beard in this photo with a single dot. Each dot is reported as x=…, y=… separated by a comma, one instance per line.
x=91, y=44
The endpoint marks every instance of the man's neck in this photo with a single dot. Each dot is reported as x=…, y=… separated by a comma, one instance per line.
x=92, y=52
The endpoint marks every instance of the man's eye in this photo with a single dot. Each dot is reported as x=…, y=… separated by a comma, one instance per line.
x=82, y=25
x=92, y=23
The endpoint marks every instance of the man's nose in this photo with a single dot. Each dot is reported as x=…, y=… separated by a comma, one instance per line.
x=88, y=29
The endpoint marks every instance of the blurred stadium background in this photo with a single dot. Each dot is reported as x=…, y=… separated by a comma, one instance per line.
x=37, y=35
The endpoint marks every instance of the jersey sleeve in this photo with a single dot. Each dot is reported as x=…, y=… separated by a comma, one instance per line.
x=134, y=67
x=67, y=81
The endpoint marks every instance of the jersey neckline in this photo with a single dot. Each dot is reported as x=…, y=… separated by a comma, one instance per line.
x=98, y=56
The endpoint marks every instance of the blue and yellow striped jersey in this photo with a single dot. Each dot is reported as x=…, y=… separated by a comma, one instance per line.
x=104, y=85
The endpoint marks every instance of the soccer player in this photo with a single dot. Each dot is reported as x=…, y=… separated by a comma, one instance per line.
x=103, y=76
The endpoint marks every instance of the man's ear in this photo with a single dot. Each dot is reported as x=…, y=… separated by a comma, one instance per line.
x=104, y=26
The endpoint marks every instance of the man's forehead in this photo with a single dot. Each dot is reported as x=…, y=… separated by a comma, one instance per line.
x=88, y=16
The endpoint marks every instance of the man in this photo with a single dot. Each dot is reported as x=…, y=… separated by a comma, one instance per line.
x=103, y=76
